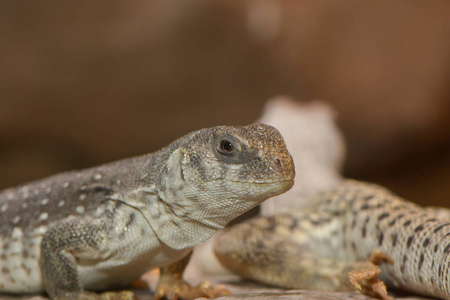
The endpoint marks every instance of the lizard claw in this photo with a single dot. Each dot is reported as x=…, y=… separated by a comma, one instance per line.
x=380, y=288
x=353, y=278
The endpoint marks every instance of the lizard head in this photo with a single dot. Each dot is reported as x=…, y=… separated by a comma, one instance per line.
x=250, y=161
x=238, y=166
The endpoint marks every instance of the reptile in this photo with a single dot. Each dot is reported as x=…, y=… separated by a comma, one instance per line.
x=79, y=232
x=353, y=232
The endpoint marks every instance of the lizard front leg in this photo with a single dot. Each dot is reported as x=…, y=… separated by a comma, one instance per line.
x=59, y=247
x=171, y=285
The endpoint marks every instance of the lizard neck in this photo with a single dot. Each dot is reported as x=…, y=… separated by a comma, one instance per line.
x=155, y=186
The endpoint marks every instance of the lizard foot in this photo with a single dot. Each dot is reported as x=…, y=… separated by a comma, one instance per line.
x=173, y=288
x=372, y=284
x=368, y=276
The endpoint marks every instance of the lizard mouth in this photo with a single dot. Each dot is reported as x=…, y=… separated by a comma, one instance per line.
x=264, y=181
x=261, y=181
x=274, y=185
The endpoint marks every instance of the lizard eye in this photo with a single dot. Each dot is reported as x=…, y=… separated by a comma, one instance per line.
x=226, y=147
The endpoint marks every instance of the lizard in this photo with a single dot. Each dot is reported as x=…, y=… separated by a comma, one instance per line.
x=353, y=232
x=80, y=232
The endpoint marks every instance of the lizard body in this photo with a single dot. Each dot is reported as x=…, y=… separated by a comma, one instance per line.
x=316, y=247
x=103, y=227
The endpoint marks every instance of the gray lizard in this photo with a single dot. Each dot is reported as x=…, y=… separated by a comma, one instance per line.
x=103, y=227
x=346, y=232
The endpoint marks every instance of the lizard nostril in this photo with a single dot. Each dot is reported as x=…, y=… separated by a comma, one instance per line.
x=277, y=163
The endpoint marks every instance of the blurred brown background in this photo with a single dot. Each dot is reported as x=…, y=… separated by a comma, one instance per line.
x=83, y=82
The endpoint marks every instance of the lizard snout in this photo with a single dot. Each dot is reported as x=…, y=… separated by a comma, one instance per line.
x=283, y=166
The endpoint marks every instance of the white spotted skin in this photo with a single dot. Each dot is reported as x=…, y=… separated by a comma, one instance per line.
x=20, y=272
x=28, y=212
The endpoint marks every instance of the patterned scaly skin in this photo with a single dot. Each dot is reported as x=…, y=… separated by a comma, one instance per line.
x=105, y=226
x=317, y=247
